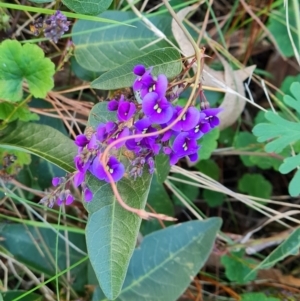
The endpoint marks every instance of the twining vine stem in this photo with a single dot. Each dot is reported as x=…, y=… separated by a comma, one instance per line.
x=199, y=53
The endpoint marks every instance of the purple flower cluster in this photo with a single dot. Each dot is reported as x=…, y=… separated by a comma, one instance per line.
x=55, y=26
x=153, y=109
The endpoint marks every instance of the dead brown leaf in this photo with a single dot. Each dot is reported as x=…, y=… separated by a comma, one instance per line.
x=230, y=81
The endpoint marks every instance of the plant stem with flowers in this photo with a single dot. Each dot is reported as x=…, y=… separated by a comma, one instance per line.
x=148, y=123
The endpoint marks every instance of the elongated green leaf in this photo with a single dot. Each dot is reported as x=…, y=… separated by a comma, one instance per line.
x=111, y=231
x=165, y=61
x=34, y=252
x=159, y=200
x=107, y=47
x=167, y=260
x=91, y=7
x=162, y=164
x=40, y=140
x=12, y=295
x=289, y=247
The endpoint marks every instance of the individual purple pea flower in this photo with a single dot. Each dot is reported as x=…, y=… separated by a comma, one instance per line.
x=139, y=70
x=78, y=178
x=56, y=181
x=202, y=127
x=183, y=146
x=69, y=198
x=113, y=105
x=81, y=164
x=144, y=126
x=126, y=110
x=114, y=167
x=120, y=134
x=81, y=140
x=104, y=130
x=160, y=86
x=187, y=121
x=143, y=82
x=88, y=195
x=134, y=145
x=211, y=116
x=158, y=110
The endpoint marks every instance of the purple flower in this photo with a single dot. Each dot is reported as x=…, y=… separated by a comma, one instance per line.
x=104, y=130
x=183, y=146
x=55, y=26
x=139, y=70
x=120, y=134
x=69, y=199
x=211, y=117
x=81, y=140
x=113, y=105
x=143, y=82
x=56, y=181
x=160, y=86
x=126, y=110
x=188, y=120
x=88, y=195
x=78, y=178
x=115, y=168
x=202, y=127
x=134, y=145
x=159, y=110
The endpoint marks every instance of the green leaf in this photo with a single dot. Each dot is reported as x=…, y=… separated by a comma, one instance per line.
x=82, y=73
x=257, y=297
x=12, y=295
x=294, y=189
x=283, y=132
x=286, y=84
x=208, y=144
x=213, y=198
x=159, y=200
x=162, y=167
x=35, y=251
x=289, y=164
x=289, y=247
x=246, y=141
x=41, y=1
x=106, y=47
x=209, y=167
x=278, y=28
x=19, y=62
x=293, y=102
x=167, y=260
x=111, y=230
x=14, y=111
x=40, y=140
x=165, y=61
x=237, y=268
x=91, y=7
x=255, y=185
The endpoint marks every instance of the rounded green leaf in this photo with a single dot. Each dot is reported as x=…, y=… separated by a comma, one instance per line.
x=167, y=260
x=102, y=47
x=255, y=185
x=91, y=7
x=165, y=61
x=24, y=62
